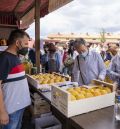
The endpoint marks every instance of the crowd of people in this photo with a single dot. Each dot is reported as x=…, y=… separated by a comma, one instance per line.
x=82, y=61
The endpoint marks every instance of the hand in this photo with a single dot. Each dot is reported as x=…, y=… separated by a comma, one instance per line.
x=4, y=118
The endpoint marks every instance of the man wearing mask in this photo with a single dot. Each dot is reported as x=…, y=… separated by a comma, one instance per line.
x=88, y=65
x=14, y=91
x=114, y=70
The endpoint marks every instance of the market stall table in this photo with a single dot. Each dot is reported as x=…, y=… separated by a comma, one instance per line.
x=99, y=119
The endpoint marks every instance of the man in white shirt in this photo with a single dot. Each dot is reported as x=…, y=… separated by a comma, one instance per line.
x=88, y=65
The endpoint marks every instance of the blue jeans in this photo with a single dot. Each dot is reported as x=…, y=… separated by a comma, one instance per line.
x=15, y=120
x=65, y=70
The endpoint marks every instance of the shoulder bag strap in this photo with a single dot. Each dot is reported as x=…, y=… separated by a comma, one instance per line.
x=80, y=70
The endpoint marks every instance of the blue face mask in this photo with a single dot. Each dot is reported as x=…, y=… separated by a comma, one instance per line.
x=84, y=54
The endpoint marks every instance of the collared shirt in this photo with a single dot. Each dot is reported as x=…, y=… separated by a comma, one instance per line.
x=114, y=70
x=92, y=67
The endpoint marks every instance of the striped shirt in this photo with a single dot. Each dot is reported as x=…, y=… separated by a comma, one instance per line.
x=14, y=83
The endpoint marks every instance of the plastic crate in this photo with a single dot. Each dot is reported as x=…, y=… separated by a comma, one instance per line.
x=47, y=122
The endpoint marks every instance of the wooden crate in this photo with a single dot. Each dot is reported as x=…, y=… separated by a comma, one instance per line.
x=47, y=87
x=39, y=109
x=61, y=99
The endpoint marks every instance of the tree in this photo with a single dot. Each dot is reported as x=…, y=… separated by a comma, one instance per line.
x=102, y=36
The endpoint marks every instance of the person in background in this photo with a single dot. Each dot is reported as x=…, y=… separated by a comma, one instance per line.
x=112, y=51
x=104, y=49
x=88, y=65
x=14, y=91
x=114, y=69
x=93, y=47
x=69, y=61
x=65, y=55
x=89, y=45
x=59, y=50
x=71, y=51
x=31, y=55
x=44, y=59
x=53, y=59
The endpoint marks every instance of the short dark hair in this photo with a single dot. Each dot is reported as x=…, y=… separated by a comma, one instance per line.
x=51, y=45
x=15, y=34
x=79, y=41
x=71, y=42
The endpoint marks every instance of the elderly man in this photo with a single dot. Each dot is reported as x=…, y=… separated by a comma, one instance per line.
x=88, y=65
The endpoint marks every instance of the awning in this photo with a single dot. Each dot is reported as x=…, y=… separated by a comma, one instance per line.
x=46, y=7
x=21, y=13
x=55, y=4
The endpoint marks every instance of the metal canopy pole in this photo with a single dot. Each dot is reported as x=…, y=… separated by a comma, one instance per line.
x=37, y=34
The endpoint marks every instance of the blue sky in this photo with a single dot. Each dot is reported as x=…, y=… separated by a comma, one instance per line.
x=81, y=16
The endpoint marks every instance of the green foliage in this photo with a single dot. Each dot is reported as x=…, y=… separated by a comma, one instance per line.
x=102, y=36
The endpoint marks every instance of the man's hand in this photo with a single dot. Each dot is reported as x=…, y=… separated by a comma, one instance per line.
x=4, y=118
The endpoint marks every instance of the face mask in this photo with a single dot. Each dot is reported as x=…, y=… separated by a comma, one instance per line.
x=84, y=54
x=23, y=51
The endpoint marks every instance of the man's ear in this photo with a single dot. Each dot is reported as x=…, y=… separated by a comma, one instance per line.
x=17, y=43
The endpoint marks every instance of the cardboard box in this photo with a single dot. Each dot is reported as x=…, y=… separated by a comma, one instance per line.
x=61, y=99
x=48, y=122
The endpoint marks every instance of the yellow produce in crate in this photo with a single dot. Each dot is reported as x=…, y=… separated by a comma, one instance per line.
x=49, y=78
x=107, y=63
x=97, y=95
x=78, y=93
x=108, y=80
x=73, y=97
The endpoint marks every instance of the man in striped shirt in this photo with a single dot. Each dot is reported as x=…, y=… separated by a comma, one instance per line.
x=14, y=91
